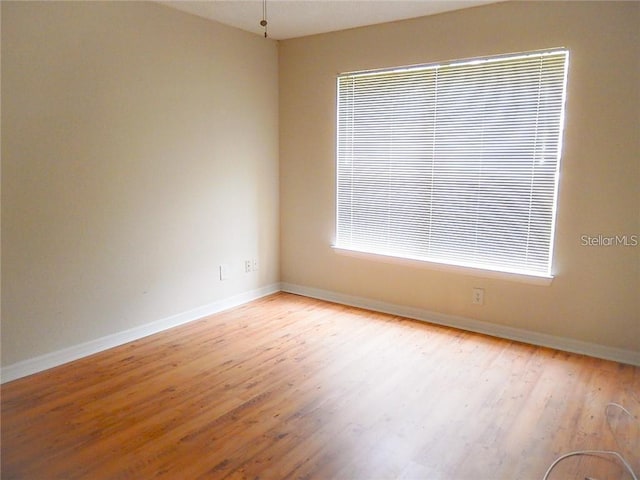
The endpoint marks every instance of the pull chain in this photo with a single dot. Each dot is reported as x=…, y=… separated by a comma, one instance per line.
x=263, y=22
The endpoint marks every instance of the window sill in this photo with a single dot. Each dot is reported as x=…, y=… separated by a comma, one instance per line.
x=445, y=267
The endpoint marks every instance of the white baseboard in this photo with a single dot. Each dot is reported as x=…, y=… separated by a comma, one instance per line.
x=53, y=359
x=560, y=343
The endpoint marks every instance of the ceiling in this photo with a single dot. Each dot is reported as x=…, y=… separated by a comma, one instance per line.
x=299, y=18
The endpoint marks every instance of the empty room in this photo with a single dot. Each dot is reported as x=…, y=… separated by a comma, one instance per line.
x=320, y=240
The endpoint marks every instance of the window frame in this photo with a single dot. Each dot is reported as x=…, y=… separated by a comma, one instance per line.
x=463, y=266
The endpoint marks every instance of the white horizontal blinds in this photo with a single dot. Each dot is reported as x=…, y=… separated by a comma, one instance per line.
x=385, y=127
x=453, y=163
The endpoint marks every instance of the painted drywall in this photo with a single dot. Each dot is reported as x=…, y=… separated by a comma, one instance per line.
x=595, y=295
x=139, y=152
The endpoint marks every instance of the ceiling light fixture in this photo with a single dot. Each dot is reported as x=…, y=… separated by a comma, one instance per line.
x=263, y=22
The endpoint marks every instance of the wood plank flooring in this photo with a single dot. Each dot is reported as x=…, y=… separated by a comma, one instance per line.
x=291, y=387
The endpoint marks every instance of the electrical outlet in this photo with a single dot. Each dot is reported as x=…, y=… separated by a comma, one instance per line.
x=254, y=265
x=477, y=296
x=224, y=272
x=247, y=266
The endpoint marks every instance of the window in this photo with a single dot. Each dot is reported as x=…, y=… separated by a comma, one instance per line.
x=454, y=163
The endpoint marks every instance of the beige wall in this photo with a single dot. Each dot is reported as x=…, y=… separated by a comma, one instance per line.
x=595, y=296
x=139, y=152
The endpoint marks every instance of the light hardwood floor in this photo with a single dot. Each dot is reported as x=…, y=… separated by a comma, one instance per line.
x=291, y=387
